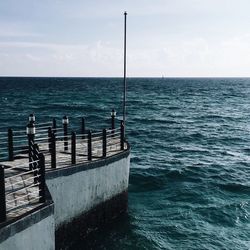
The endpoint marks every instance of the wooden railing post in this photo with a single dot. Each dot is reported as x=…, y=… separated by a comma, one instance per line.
x=41, y=178
x=49, y=138
x=2, y=195
x=89, y=146
x=122, y=135
x=104, y=143
x=83, y=128
x=34, y=165
x=30, y=131
x=10, y=144
x=65, y=122
x=73, y=148
x=53, y=150
x=54, y=125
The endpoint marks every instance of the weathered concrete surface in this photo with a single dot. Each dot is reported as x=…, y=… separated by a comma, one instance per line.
x=81, y=227
x=75, y=190
x=35, y=230
x=85, y=197
x=39, y=236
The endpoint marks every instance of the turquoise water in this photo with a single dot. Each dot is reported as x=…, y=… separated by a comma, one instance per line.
x=190, y=166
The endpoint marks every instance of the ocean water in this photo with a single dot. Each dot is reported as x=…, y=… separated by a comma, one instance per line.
x=189, y=185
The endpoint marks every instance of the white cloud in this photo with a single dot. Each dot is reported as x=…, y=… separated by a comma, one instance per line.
x=60, y=59
x=193, y=57
x=85, y=38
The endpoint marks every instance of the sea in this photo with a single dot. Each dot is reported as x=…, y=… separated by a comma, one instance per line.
x=189, y=185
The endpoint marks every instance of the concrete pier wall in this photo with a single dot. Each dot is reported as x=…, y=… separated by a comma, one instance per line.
x=35, y=230
x=77, y=189
x=80, y=198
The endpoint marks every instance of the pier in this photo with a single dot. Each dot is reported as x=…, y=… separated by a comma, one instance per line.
x=31, y=156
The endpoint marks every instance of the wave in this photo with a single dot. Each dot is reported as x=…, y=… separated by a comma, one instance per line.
x=235, y=188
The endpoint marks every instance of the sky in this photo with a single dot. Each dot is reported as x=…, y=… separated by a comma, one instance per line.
x=84, y=38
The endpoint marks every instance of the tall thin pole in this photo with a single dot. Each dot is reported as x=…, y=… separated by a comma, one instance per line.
x=124, y=77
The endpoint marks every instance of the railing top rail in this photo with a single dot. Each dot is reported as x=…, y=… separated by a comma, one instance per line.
x=96, y=133
x=112, y=130
x=43, y=124
x=23, y=173
x=22, y=188
x=19, y=131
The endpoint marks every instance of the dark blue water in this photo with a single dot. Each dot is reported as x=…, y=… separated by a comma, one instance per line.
x=190, y=166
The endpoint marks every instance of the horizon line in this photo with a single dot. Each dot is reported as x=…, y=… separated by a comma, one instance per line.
x=156, y=77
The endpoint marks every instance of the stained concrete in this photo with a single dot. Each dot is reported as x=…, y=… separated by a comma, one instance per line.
x=39, y=236
x=34, y=230
x=82, y=227
x=96, y=188
x=78, y=189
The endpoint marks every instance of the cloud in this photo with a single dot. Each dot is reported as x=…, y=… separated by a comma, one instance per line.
x=193, y=57
x=60, y=59
x=85, y=38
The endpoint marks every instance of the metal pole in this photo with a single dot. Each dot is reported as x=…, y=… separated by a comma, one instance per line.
x=49, y=138
x=41, y=178
x=73, y=148
x=104, y=143
x=83, y=128
x=124, y=77
x=89, y=146
x=35, y=153
x=53, y=150
x=122, y=136
x=30, y=131
x=113, y=115
x=65, y=122
x=54, y=125
x=2, y=196
x=10, y=144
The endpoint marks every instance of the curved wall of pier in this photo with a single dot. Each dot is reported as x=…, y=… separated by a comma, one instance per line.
x=80, y=199
x=88, y=195
x=79, y=188
x=34, y=230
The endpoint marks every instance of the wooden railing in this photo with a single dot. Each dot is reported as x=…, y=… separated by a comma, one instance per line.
x=47, y=147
